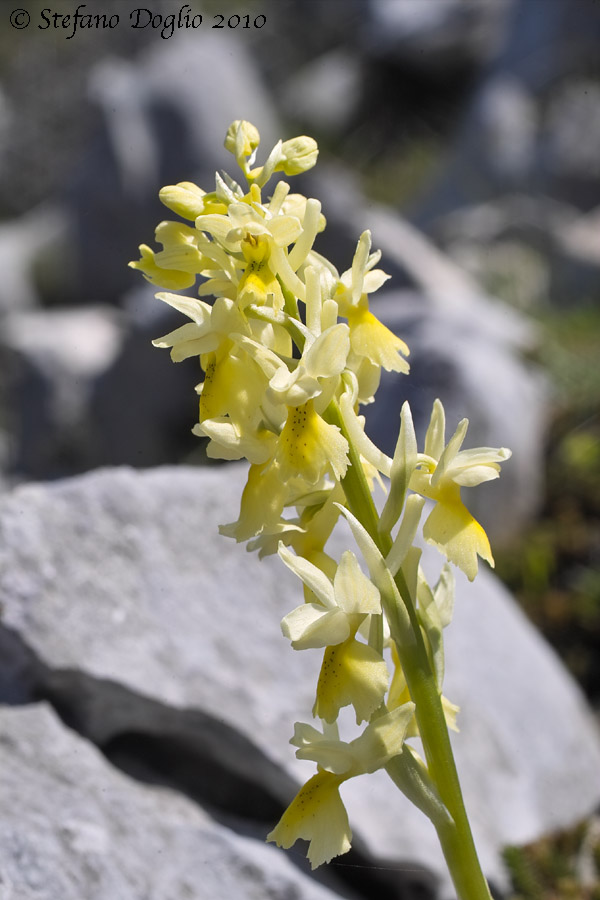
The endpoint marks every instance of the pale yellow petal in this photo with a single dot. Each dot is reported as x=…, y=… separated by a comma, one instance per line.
x=352, y=674
x=316, y=814
x=452, y=528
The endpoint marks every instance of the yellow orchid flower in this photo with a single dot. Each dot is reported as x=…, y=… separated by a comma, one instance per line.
x=317, y=813
x=439, y=475
x=336, y=609
x=172, y=279
x=310, y=447
x=283, y=383
x=369, y=338
x=352, y=674
x=178, y=263
x=189, y=201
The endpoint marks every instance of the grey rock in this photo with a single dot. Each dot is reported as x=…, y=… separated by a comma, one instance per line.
x=578, y=260
x=87, y=389
x=7, y=120
x=325, y=93
x=141, y=405
x=543, y=44
x=448, y=289
x=22, y=242
x=534, y=251
x=436, y=34
x=126, y=609
x=55, y=357
x=531, y=124
x=508, y=128
x=496, y=151
x=573, y=113
x=74, y=827
x=412, y=260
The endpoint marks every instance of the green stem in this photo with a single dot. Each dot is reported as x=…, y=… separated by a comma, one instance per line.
x=454, y=834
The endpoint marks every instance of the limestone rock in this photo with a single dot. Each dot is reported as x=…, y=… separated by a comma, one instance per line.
x=74, y=827
x=56, y=356
x=126, y=609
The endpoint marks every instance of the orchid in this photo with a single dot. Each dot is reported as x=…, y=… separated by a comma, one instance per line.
x=290, y=350
x=439, y=475
x=352, y=672
x=317, y=813
x=369, y=338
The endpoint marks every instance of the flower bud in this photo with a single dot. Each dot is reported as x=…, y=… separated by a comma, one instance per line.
x=185, y=199
x=242, y=138
x=298, y=155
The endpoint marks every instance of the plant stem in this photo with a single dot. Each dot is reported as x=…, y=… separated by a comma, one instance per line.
x=455, y=835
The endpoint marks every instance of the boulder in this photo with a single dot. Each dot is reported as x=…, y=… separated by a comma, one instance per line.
x=87, y=389
x=73, y=826
x=435, y=36
x=159, y=640
x=23, y=242
x=531, y=124
x=55, y=357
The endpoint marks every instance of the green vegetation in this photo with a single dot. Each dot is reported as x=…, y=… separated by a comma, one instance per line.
x=554, y=568
x=565, y=866
x=554, y=571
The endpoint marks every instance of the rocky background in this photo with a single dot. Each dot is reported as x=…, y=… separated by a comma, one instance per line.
x=147, y=697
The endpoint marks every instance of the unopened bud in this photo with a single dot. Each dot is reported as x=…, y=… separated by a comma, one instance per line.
x=298, y=155
x=185, y=199
x=242, y=139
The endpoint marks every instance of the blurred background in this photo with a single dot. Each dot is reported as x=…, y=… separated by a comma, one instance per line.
x=464, y=133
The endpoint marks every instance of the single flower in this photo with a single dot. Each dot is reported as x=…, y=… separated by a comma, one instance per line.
x=336, y=610
x=317, y=813
x=310, y=447
x=440, y=473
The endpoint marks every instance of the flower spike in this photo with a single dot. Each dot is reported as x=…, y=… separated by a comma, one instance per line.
x=289, y=351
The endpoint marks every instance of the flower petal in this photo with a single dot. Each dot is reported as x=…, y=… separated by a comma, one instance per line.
x=403, y=465
x=309, y=626
x=352, y=674
x=316, y=814
x=452, y=528
x=311, y=576
x=354, y=593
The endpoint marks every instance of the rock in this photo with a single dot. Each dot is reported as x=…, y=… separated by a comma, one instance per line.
x=325, y=93
x=572, y=113
x=411, y=259
x=542, y=45
x=436, y=35
x=577, y=260
x=87, y=389
x=496, y=152
x=142, y=407
x=22, y=242
x=531, y=125
x=534, y=251
x=56, y=355
x=126, y=609
x=73, y=826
